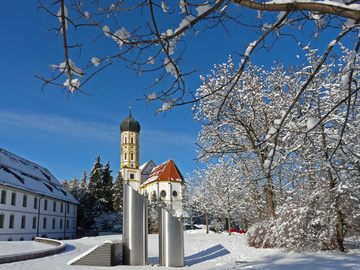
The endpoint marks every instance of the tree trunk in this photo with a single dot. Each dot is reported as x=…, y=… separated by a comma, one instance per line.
x=229, y=223
x=340, y=234
x=207, y=222
x=269, y=197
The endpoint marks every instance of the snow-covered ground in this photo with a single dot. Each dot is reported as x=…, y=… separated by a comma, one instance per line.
x=213, y=251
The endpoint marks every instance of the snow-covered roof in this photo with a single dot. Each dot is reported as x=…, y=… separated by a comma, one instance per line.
x=165, y=171
x=20, y=173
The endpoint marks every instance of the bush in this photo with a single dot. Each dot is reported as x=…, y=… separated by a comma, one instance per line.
x=296, y=227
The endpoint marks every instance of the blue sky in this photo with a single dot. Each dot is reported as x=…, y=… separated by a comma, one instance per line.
x=65, y=135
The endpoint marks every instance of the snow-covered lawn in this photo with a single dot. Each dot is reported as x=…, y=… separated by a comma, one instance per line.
x=213, y=251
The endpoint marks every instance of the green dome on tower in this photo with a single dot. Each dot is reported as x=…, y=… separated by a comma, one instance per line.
x=130, y=124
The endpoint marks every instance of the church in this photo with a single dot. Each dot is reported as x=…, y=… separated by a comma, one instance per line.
x=164, y=181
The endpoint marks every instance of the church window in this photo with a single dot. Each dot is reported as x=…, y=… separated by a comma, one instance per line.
x=175, y=194
x=125, y=140
x=131, y=140
x=125, y=156
x=132, y=156
x=132, y=176
x=131, y=165
x=163, y=193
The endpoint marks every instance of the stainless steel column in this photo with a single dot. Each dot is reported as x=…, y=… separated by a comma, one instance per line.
x=171, y=240
x=135, y=228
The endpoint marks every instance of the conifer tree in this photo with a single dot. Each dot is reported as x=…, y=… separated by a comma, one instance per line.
x=74, y=187
x=117, y=192
x=65, y=184
x=95, y=179
x=107, y=183
x=83, y=185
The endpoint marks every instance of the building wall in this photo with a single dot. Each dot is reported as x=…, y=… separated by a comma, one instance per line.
x=29, y=218
x=171, y=189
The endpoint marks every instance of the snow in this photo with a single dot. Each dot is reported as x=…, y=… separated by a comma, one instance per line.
x=311, y=123
x=164, y=7
x=73, y=85
x=202, y=251
x=121, y=36
x=185, y=22
x=23, y=174
x=96, y=61
x=152, y=96
x=250, y=48
x=106, y=30
x=203, y=8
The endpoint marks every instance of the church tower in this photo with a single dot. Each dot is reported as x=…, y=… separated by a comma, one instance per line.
x=129, y=156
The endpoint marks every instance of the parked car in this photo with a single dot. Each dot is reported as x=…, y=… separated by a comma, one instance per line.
x=237, y=231
x=191, y=227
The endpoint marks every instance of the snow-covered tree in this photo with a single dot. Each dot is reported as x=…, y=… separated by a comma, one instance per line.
x=65, y=184
x=95, y=179
x=305, y=159
x=158, y=39
x=216, y=190
x=117, y=191
x=245, y=127
x=83, y=184
x=74, y=187
x=107, y=184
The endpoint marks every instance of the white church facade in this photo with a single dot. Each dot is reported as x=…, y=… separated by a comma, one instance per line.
x=164, y=181
x=33, y=202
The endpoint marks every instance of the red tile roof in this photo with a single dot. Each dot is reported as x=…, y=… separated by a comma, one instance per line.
x=165, y=171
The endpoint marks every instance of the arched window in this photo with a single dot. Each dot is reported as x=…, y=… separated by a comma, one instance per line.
x=131, y=140
x=175, y=193
x=163, y=193
x=125, y=156
x=125, y=140
x=132, y=156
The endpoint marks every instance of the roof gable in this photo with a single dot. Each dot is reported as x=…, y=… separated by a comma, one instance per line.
x=165, y=171
x=20, y=173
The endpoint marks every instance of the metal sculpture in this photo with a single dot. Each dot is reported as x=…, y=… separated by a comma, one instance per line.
x=171, y=240
x=135, y=228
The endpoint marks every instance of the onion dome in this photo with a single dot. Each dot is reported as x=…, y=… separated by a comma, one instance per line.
x=130, y=124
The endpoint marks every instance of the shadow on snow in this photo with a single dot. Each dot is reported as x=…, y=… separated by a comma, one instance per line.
x=205, y=255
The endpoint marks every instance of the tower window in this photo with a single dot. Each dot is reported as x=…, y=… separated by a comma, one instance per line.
x=132, y=156
x=132, y=140
x=175, y=194
x=125, y=140
x=163, y=193
x=125, y=156
x=132, y=176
